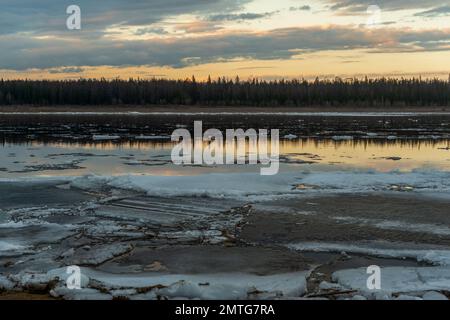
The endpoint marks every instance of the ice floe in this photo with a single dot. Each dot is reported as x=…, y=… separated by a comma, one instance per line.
x=367, y=181
x=232, y=185
x=101, y=285
x=290, y=137
x=97, y=255
x=5, y=283
x=433, y=295
x=144, y=137
x=253, y=186
x=432, y=255
x=9, y=247
x=100, y=137
x=341, y=138
x=70, y=165
x=402, y=283
x=439, y=230
x=201, y=286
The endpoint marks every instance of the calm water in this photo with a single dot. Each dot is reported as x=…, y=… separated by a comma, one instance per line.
x=63, y=145
x=30, y=159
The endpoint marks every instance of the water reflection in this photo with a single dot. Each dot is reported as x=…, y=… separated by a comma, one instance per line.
x=32, y=158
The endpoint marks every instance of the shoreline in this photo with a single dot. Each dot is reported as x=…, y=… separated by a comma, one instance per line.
x=153, y=109
x=303, y=248
x=304, y=234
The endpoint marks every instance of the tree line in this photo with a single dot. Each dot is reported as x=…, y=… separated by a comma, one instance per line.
x=228, y=92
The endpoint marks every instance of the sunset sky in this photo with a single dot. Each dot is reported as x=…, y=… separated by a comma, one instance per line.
x=250, y=38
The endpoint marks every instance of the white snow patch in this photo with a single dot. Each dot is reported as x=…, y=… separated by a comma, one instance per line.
x=80, y=294
x=396, y=280
x=215, y=286
x=100, y=254
x=252, y=186
x=5, y=283
x=143, y=137
x=101, y=285
x=13, y=225
x=380, y=249
x=405, y=297
x=255, y=186
x=433, y=295
x=104, y=137
x=231, y=185
x=366, y=181
x=397, y=225
x=342, y=138
x=6, y=246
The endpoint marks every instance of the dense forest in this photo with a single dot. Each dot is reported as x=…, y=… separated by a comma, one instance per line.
x=228, y=92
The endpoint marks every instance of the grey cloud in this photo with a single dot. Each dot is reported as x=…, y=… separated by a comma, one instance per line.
x=20, y=52
x=240, y=16
x=66, y=70
x=301, y=8
x=359, y=6
x=46, y=16
x=142, y=31
x=435, y=12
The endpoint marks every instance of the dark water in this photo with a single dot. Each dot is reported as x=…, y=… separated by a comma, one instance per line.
x=58, y=127
x=61, y=144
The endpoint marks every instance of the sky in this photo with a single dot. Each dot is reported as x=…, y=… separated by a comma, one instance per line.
x=269, y=39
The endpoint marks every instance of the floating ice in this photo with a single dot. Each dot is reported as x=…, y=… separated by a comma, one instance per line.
x=105, y=137
x=231, y=185
x=341, y=138
x=5, y=283
x=7, y=246
x=143, y=137
x=398, y=280
x=101, y=285
x=432, y=255
x=439, y=230
x=255, y=187
x=203, y=286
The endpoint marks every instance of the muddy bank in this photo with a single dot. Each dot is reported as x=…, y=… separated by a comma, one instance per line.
x=351, y=218
x=210, y=259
